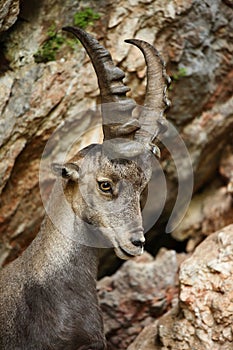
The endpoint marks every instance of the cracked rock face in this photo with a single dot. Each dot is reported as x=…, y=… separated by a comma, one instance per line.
x=205, y=297
x=140, y=291
x=203, y=319
x=9, y=10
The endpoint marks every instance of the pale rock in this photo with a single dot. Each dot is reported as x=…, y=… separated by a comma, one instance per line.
x=205, y=297
x=203, y=317
x=5, y=89
x=140, y=290
x=9, y=10
x=135, y=60
x=116, y=45
x=200, y=137
x=145, y=340
x=208, y=211
x=117, y=17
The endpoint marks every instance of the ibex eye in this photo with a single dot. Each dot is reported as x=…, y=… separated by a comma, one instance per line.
x=105, y=186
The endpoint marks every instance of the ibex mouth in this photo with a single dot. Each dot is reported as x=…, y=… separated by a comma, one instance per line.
x=125, y=254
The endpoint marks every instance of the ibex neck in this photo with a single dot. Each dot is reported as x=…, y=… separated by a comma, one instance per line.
x=53, y=254
x=58, y=247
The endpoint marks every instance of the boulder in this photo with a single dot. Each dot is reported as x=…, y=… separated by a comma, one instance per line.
x=140, y=291
x=203, y=318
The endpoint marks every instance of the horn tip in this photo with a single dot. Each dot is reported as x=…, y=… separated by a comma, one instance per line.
x=73, y=30
x=128, y=41
x=67, y=28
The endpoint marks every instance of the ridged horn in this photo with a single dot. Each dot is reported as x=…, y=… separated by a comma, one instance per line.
x=116, y=106
x=151, y=119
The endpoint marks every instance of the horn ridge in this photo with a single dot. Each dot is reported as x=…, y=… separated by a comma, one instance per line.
x=157, y=79
x=110, y=80
x=107, y=73
x=152, y=118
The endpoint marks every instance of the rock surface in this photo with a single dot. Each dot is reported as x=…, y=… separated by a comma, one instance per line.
x=212, y=208
x=208, y=211
x=9, y=10
x=203, y=319
x=140, y=291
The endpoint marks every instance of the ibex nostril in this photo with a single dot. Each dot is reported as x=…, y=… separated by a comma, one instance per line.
x=138, y=243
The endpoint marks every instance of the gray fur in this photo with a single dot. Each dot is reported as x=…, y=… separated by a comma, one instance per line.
x=48, y=296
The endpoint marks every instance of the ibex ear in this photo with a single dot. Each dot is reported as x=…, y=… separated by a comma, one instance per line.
x=67, y=170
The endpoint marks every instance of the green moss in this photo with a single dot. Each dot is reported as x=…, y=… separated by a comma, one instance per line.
x=85, y=18
x=182, y=72
x=51, y=46
x=47, y=52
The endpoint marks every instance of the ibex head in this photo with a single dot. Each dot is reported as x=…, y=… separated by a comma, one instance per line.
x=106, y=182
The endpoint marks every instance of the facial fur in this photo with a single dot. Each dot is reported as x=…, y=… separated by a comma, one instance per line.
x=107, y=197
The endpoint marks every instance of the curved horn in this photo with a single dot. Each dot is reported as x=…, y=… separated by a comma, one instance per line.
x=116, y=106
x=151, y=119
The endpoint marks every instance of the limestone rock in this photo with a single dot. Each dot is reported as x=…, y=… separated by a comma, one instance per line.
x=146, y=339
x=203, y=319
x=141, y=290
x=209, y=211
x=9, y=10
x=206, y=138
x=212, y=208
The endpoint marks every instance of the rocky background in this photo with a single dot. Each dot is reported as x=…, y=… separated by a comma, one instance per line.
x=177, y=298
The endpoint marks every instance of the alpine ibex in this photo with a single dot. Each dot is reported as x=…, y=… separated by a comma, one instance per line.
x=48, y=296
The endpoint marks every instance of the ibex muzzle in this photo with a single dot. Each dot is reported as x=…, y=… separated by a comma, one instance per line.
x=48, y=296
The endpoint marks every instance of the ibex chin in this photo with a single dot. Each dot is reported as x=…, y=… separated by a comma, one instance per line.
x=48, y=297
